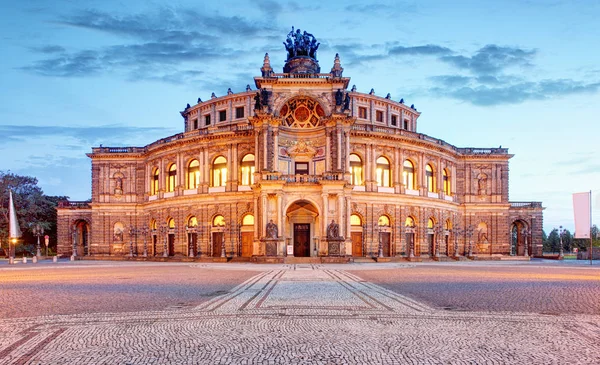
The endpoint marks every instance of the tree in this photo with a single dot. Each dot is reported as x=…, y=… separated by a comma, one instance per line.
x=32, y=207
x=552, y=242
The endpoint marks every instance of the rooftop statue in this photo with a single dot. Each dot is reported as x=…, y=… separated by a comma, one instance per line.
x=301, y=44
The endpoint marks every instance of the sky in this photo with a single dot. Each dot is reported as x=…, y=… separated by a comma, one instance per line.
x=524, y=75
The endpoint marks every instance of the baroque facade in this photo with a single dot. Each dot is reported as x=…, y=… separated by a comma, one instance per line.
x=303, y=166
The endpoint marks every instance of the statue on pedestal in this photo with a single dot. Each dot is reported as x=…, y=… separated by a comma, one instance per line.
x=333, y=230
x=272, y=231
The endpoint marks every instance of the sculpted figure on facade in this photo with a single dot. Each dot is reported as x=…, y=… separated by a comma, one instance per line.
x=333, y=230
x=482, y=184
x=272, y=231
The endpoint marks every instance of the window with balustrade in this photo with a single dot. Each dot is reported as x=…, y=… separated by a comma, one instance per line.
x=193, y=175
x=382, y=172
x=172, y=178
x=356, y=170
x=154, y=182
x=430, y=178
x=219, y=171
x=446, y=178
x=247, y=170
x=408, y=175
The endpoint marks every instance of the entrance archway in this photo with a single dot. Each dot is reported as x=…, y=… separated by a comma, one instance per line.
x=517, y=238
x=302, y=228
x=81, y=230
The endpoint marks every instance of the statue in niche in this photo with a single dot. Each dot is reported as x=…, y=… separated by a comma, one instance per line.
x=339, y=97
x=257, y=101
x=347, y=102
x=272, y=231
x=119, y=185
x=118, y=236
x=333, y=230
x=482, y=184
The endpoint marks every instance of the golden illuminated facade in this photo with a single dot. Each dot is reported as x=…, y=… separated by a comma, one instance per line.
x=305, y=167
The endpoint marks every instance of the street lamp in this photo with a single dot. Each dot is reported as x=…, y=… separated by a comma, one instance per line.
x=190, y=229
x=526, y=232
x=132, y=234
x=163, y=229
x=457, y=232
x=561, y=254
x=144, y=233
x=38, y=230
x=469, y=233
x=379, y=229
x=437, y=230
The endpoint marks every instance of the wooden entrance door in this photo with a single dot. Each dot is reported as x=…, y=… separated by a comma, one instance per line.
x=357, y=244
x=153, y=248
x=171, y=245
x=247, y=240
x=301, y=240
x=385, y=243
x=217, y=243
x=193, y=243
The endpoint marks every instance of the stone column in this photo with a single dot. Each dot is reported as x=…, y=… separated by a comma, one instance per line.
x=339, y=148
x=327, y=150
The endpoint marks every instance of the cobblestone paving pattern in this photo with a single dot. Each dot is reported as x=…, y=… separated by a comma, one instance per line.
x=299, y=314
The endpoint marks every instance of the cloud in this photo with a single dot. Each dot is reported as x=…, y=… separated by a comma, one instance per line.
x=491, y=59
x=49, y=49
x=498, y=91
x=86, y=136
x=426, y=50
x=270, y=8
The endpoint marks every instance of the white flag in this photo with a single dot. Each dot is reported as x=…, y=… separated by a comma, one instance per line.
x=14, y=230
x=582, y=212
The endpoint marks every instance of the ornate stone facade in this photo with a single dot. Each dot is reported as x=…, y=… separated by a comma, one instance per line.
x=301, y=151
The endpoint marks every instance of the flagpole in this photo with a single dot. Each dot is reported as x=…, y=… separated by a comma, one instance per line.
x=591, y=238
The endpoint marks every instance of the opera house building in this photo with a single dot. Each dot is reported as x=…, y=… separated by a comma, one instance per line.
x=300, y=165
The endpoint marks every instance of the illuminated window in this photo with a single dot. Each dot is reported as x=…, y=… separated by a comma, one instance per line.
x=446, y=182
x=408, y=174
x=362, y=112
x=247, y=170
x=355, y=220
x=219, y=171
x=218, y=221
x=248, y=220
x=153, y=225
x=410, y=222
x=384, y=221
x=171, y=223
x=172, y=178
x=430, y=178
x=192, y=222
x=430, y=223
x=383, y=172
x=356, y=170
x=154, y=182
x=448, y=225
x=193, y=175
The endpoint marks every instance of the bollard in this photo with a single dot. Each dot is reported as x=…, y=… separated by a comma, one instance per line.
x=72, y=258
x=34, y=259
x=55, y=259
x=11, y=260
x=24, y=259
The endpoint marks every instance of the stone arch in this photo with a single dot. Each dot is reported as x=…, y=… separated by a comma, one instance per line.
x=323, y=102
x=302, y=227
x=80, y=229
x=518, y=237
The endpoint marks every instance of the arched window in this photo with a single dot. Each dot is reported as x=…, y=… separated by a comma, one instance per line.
x=192, y=222
x=218, y=221
x=430, y=178
x=383, y=172
x=410, y=222
x=356, y=170
x=430, y=223
x=446, y=181
x=384, y=221
x=154, y=182
x=219, y=169
x=247, y=169
x=355, y=220
x=153, y=225
x=248, y=220
x=408, y=174
x=448, y=225
x=171, y=223
x=193, y=175
x=172, y=178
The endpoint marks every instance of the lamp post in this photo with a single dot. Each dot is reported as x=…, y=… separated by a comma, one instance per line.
x=38, y=230
x=163, y=229
x=526, y=232
x=132, y=234
x=73, y=237
x=380, y=250
x=144, y=233
x=457, y=232
x=561, y=254
x=190, y=231
x=437, y=230
x=469, y=233
x=223, y=252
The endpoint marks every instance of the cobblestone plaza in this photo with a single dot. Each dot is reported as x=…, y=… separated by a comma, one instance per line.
x=191, y=313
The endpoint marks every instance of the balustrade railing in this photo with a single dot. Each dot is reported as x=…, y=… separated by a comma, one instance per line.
x=73, y=204
x=525, y=204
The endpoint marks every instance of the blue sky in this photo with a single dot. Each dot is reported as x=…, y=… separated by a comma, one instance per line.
x=521, y=74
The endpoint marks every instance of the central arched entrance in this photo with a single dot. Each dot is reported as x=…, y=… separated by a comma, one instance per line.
x=302, y=225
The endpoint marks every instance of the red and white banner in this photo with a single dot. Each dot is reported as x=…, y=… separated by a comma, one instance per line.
x=582, y=212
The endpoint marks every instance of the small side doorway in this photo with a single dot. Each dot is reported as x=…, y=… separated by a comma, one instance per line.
x=247, y=240
x=301, y=240
x=217, y=244
x=357, y=244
